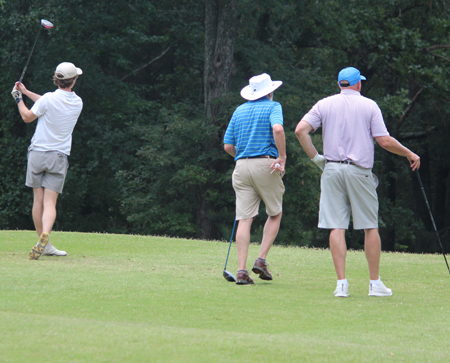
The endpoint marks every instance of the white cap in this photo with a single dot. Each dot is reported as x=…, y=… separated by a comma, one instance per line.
x=68, y=70
x=259, y=86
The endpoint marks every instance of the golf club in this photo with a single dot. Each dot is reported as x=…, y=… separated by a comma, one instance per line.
x=432, y=219
x=46, y=25
x=228, y=275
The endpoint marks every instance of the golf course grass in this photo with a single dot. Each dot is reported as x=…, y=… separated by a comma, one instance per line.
x=125, y=298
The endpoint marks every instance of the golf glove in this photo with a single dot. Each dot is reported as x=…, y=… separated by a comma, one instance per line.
x=320, y=161
x=17, y=95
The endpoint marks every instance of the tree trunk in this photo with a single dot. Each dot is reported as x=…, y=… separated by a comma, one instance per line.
x=220, y=35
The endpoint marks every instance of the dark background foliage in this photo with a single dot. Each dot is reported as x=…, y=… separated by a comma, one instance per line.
x=147, y=151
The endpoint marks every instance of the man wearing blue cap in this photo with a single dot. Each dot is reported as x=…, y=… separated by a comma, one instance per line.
x=349, y=124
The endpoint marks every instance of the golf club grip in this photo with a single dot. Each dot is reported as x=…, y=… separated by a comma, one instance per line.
x=21, y=77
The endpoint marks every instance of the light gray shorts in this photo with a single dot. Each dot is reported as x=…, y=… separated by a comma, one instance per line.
x=252, y=182
x=347, y=189
x=47, y=169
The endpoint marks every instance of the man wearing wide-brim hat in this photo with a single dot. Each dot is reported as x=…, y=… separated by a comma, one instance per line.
x=57, y=113
x=255, y=138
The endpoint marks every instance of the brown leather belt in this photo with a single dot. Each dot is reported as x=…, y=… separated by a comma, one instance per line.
x=261, y=157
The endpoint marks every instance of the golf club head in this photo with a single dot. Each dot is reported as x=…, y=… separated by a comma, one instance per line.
x=46, y=24
x=228, y=276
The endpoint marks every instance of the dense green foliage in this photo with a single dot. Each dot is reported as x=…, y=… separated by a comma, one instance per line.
x=145, y=161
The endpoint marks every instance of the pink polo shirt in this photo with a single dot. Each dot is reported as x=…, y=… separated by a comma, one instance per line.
x=349, y=123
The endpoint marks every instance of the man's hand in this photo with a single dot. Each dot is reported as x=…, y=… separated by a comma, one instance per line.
x=320, y=161
x=393, y=146
x=31, y=95
x=17, y=95
x=414, y=161
x=22, y=88
x=278, y=165
x=26, y=114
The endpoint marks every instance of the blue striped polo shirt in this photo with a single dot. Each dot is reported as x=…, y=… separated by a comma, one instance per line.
x=250, y=128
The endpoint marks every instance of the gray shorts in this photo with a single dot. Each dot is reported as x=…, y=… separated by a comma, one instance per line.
x=252, y=181
x=347, y=189
x=47, y=169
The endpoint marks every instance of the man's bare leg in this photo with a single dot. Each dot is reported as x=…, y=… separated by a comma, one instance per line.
x=243, y=241
x=44, y=215
x=38, y=209
x=271, y=229
x=49, y=215
x=338, y=250
x=372, y=248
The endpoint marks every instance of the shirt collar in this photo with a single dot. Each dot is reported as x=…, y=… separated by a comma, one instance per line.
x=350, y=92
x=262, y=99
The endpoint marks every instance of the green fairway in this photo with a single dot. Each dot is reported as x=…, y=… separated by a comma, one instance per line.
x=123, y=298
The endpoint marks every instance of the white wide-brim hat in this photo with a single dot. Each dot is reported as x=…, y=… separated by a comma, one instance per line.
x=259, y=86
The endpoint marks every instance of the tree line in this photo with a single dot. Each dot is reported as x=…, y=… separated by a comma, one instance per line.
x=162, y=78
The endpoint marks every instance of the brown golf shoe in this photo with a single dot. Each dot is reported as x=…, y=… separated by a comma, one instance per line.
x=260, y=268
x=243, y=278
x=37, y=250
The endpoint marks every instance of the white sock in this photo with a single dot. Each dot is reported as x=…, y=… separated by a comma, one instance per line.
x=376, y=282
x=342, y=282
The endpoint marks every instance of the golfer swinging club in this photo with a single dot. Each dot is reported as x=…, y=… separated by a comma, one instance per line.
x=255, y=138
x=57, y=114
x=349, y=123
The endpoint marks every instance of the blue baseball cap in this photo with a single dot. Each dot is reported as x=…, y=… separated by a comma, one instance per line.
x=350, y=74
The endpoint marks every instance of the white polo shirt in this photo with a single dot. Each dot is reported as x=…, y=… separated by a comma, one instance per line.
x=349, y=123
x=57, y=114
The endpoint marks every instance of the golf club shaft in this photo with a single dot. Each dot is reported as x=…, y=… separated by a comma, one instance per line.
x=432, y=219
x=229, y=247
x=28, y=61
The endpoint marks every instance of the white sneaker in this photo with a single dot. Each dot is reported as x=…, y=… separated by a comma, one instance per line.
x=379, y=290
x=50, y=250
x=341, y=290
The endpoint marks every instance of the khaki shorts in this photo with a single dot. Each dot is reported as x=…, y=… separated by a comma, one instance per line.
x=347, y=189
x=252, y=182
x=47, y=169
